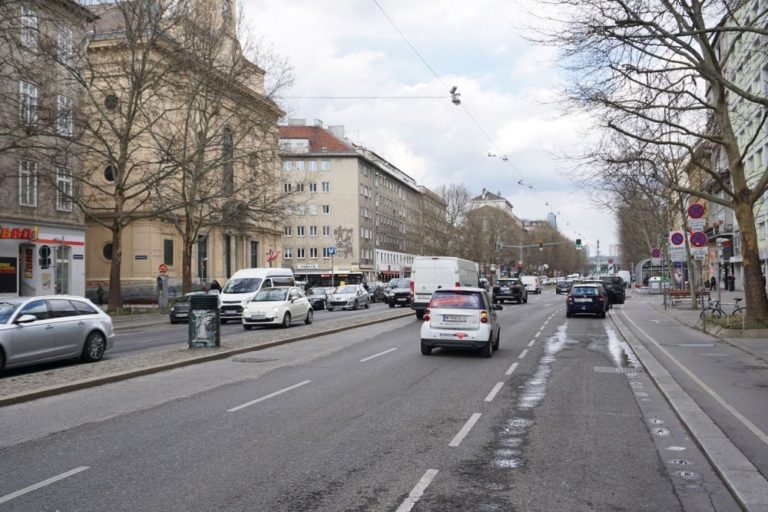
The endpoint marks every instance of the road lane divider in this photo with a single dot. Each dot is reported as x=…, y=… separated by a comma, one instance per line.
x=530, y=343
x=40, y=485
x=511, y=369
x=456, y=441
x=377, y=355
x=493, y=392
x=537, y=335
x=523, y=354
x=417, y=491
x=267, y=397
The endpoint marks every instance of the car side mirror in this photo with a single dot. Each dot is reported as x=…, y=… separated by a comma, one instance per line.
x=498, y=307
x=25, y=319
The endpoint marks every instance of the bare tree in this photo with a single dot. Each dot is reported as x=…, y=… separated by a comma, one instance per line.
x=456, y=198
x=667, y=74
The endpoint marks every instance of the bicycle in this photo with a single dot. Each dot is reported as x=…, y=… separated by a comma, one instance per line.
x=712, y=310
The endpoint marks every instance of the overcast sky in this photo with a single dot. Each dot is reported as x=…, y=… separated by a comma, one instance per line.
x=508, y=85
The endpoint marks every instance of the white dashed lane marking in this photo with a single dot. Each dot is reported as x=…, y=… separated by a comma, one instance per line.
x=456, y=441
x=493, y=392
x=40, y=485
x=417, y=491
x=271, y=395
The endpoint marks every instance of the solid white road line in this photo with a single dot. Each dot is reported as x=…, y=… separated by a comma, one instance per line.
x=530, y=344
x=247, y=404
x=523, y=354
x=728, y=407
x=377, y=355
x=465, y=430
x=493, y=392
x=511, y=369
x=40, y=485
x=417, y=491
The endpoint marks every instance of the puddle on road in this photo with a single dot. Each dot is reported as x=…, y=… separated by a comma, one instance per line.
x=622, y=354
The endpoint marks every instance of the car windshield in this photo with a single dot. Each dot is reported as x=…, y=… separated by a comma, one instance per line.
x=611, y=280
x=316, y=291
x=347, y=289
x=242, y=285
x=270, y=295
x=456, y=300
x=507, y=282
x=585, y=290
x=7, y=309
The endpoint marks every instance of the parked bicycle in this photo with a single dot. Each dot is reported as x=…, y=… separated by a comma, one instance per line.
x=714, y=310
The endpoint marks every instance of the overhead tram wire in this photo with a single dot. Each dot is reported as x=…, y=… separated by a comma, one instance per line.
x=466, y=110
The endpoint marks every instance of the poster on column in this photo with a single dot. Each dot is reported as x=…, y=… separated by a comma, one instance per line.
x=9, y=275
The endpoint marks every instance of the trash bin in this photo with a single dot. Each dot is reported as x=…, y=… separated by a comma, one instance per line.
x=204, y=326
x=654, y=285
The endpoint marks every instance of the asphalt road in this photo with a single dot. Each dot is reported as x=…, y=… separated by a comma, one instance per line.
x=560, y=418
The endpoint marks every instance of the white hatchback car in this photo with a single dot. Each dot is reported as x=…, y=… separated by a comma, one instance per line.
x=277, y=306
x=461, y=318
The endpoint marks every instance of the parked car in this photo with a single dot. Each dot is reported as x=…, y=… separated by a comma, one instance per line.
x=350, y=296
x=399, y=292
x=49, y=328
x=377, y=291
x=614, y=285
x=586, y=298
x=318, y=296
x=244, y=284
x=277, y=306
x=563, y=286
x=180, y=310
x=510, y=289
x=463, y=318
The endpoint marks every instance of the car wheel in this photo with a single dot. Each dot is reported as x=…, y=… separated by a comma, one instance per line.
x=330, y=309
x=223, y=321
x=287, y=320
x=2, y=360
x=420, y=314
x=391, y=305
x=487, y=350
x=95, y=345
x=247, y=327
x=525, y=300
x=602, y=315
x=368, y=305
x=498, y=340
x=356, y=306
x=310, y=316
x=567, y=315
x=425, y=349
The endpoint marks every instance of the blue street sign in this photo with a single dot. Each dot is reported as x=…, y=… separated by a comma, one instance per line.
x=331, y=251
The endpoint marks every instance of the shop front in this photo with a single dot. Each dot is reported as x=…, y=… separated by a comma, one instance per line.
x=41, y=260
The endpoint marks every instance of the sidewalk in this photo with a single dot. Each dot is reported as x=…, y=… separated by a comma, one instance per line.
x=133, y=320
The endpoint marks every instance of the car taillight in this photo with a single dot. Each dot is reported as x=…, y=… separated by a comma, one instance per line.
x=570, y=299
x=426, y=315
x=599, y=299
x=458, y=284
x=411, y=287
x=483, y=317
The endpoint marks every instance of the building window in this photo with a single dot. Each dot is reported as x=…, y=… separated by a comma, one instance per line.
x=65, y=45
x=254, y=254
x=313, y=165
x=326, y=230
x=313, y=252
x=287, y=231
x=287, y=165
x=300, y=253
x=325, y=165
x=300, y=165
x=300, y=210
x=63, y=190
x=65, y=116
x=299, y=187
x=287, y=254
x=110, y=102
x=287, y=187
x=28, y=28
x=312, y=230
x=27, y=183
x=299, y=230
x=228, y=158
x=326, y=252
x=326, y=209
x=168, y=252
x=313, y=187
x=326, y=186
x=312, y=209
x=28, y=102
x=106, y=251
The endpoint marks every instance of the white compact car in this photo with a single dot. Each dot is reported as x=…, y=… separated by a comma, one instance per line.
x=351, y=296
x=277, y=306
x=461, y=318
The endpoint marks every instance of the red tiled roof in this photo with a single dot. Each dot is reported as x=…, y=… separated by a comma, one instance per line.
x=319, y=139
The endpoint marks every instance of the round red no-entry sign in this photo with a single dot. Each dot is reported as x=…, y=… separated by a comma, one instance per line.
x=677, y=238
x=696, y=211
x=610, y=261
x=656, y=253
x=699, y=239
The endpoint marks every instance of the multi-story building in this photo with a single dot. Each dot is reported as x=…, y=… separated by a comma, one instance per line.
x=355, y=215
x=42, y=234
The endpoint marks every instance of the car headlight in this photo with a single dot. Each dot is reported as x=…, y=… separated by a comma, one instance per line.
x=274, y=310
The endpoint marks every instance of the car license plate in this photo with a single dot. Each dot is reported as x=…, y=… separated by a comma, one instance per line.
x=454, y=319
x=257, y=315
x=180, y=315
x=583, y=300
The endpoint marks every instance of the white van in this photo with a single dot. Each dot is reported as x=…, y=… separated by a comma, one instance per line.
x=532, y=284
x=244, y=284
x=430, y=273
x=626, y=276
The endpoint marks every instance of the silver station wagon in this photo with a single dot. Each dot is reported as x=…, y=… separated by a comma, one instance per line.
x=42, y=329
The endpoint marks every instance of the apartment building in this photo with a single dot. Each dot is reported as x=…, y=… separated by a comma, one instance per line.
x=42, y=234
x=355, y=216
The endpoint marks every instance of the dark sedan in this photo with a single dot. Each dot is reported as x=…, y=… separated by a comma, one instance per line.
x=563, y=287
x=180, y=310
x=586, y=299
x=318, y=296
x=614, y=286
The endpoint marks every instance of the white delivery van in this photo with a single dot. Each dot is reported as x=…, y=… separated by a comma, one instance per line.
x=244, y=284
x=532, y=284
x=626, y=276
x=430, y=273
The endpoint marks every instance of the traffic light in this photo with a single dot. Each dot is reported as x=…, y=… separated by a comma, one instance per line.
x=541, y=245
x=578, y=244
x=499, y=246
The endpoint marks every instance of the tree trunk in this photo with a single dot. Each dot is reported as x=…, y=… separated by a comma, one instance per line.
x=115, y=286
x=754, y=291
x=186, y=266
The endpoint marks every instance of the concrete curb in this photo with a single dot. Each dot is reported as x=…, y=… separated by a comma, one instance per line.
x=741, y=477
x=206, y=355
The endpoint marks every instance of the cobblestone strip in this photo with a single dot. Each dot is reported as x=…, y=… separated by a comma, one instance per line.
x=22, y=388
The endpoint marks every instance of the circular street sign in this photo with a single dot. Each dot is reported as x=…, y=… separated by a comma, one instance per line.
x=163, y=268
x=677, y=238
x=696, y=211
x=699, y=239
x=656, y=253
x=610, y=261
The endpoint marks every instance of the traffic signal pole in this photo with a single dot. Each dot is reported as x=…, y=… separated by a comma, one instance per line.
x=540, y=245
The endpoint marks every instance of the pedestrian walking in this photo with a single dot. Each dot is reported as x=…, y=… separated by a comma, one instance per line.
x=215, y=286
x=100, y=295
x=713, y=284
